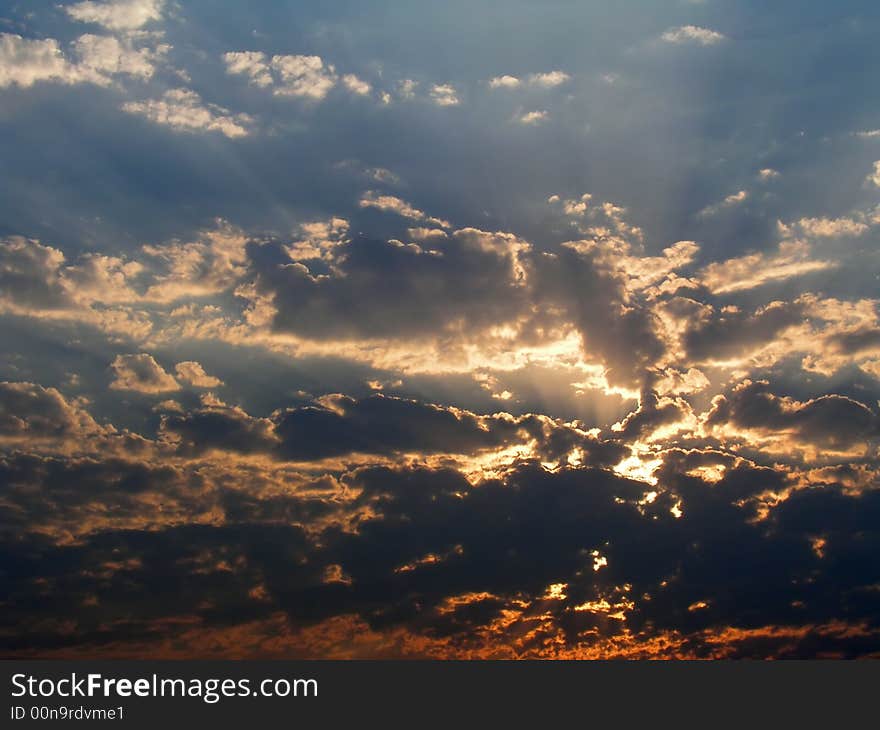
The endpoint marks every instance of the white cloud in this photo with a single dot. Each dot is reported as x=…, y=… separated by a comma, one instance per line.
x=117, y=14
x=546, y=80
x=23, y=62
x=444, y=95
x=550, y=79
x=307, y=77
x=504, y=82
x=304, y=76
x=101, y=56
x=356, y=85
x=183, y=110
x=692, y=34
x=533, y=118
x=95, y=60
x=768, y=173
x=249, y=63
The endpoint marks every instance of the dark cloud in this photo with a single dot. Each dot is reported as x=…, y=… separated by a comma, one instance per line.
x=499, y=546
x=830, y=421
x=463, y=285
x=31, y=412
x=338, y=425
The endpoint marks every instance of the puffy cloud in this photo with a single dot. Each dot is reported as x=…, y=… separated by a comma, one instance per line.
x=444, y=95
x=25, y=61
x=93, y=59
x=830, y=423
x=303, y=76
x=253, y=64
x=320, y=240
x=546, y=80
x=117, y=14
x=184, y=111
x=356, y=85
x=692, y=34
x=731, y=334
x=464, y=567
x=104, y=56
x=30, y=413
x=211, y=264
x=471, y=280
x=307, y=77
x=141, y=373
x=30, y=276
x=533, y=118
x=504, y=82
x=192, y=373
x=549, y=79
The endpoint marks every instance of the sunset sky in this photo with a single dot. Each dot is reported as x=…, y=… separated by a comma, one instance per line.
x=457, y=329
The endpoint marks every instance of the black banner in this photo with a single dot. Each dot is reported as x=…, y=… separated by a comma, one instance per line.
x=324, y=693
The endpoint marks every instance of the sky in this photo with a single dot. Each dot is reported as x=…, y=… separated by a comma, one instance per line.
x=450, y=330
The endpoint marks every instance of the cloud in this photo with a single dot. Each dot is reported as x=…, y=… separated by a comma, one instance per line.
x=93, y=59
x=692, y=34
x=393, y=204
x=504, y=82
x=30, y=413
x=730, y=201
x=731, y=334
x=829, y=423
x=468, y=576
x=117, y=14
x=546, y=80
x=141, y=373
x=103, y=56
x=444, y=95
x=473, y=278
x=303, y=76
x=320, y=240
x=533, y=118
x=184, y=111
x=24, y=62
x=192, y=373
x=549, y=79
x=252, y=64
x=306, y=77
x=356, y=85
x=747, y=272
x=831, y=227
x=875, y=176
